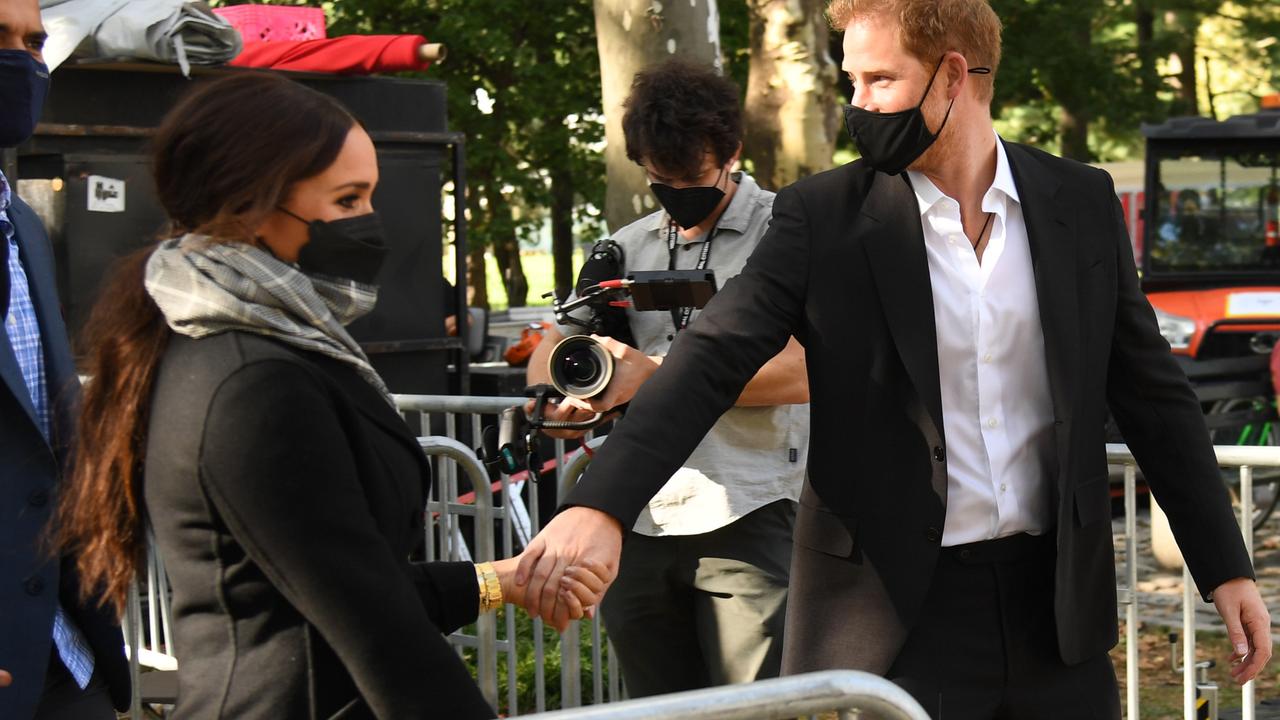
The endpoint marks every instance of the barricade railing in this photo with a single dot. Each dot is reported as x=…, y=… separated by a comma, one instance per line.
x=1245, y=458
x=848, y=693
x=516, y=523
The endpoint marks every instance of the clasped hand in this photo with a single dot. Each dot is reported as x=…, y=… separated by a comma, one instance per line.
x=567, y=568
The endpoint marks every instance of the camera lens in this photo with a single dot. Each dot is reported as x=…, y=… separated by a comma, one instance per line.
x=580, y=367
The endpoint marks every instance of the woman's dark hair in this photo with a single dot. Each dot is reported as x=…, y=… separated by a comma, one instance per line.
x=224, y=157
x=676, y=112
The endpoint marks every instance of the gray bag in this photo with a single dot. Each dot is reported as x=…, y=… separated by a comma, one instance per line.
x=185, y=32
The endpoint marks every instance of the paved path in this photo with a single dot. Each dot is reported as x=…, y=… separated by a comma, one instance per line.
x=1160, y=590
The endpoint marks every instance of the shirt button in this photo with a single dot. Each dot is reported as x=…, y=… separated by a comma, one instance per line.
x=1004, y=487
x=986, y=358
x=932, y=534
x=992, y=422
x=938, y=454
x=34, y=585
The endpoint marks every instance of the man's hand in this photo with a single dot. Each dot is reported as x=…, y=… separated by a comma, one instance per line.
x=559, y=411
x=581, y=588
x=1248, y=627
x=630, y=369
x=5, y=678
x=579, y=537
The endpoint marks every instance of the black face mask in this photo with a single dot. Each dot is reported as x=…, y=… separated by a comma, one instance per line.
x=690, y=205
x=351, y=248
x=24, y=81
x=889, y=142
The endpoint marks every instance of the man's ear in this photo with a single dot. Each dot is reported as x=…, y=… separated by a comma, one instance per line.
x=955, y=69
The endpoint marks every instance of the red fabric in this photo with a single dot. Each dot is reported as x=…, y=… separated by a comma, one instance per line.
x=346, y=55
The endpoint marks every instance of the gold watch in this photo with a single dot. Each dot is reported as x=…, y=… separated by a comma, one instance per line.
x=490, y=588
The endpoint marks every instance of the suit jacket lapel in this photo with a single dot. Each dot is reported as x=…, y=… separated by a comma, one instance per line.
x=889, y=227
x=1050, y=222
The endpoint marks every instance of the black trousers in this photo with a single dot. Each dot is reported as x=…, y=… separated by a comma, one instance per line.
x=986, y=645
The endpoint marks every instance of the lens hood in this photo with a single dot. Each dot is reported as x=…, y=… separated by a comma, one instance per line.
x=580, y=367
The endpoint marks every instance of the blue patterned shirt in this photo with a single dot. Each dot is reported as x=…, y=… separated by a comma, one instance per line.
x=20, y=322
x=23, y=329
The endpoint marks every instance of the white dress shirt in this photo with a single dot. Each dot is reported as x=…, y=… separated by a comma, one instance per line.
x=996, y=409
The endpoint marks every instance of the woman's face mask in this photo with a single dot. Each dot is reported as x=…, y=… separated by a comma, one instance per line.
x=352, y=248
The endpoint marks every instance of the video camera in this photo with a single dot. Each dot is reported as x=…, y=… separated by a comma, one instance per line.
x=579, y=366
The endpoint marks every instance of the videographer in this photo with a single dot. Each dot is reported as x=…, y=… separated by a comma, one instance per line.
x=700, y=597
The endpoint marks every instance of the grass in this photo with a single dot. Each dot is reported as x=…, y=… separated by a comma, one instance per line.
x=538, y=269
x=1160, y=692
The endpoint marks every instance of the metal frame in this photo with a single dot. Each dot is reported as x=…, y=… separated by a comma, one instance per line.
x=1243, y=457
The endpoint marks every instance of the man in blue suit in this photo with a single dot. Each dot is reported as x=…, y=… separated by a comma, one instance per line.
x=59, y=658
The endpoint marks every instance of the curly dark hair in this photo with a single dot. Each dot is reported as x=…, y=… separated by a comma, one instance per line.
x=676, y=112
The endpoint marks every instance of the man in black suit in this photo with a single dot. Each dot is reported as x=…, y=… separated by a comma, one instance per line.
x=59, y=658
x=969, y=310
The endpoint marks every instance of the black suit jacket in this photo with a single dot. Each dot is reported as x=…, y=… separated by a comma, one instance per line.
x=31, y=581
x=286, y=497
x=843, y=268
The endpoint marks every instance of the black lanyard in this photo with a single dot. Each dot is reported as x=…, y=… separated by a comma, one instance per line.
x=682, y=316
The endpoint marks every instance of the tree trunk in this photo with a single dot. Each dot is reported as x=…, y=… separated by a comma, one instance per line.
x=1073, y=96
x=562, y=230
x=791, y=107
x=477, y=278
x=1073, y=129
x=1187, y=102
x=632, y=35
x=506, y=248
x=1148, y=76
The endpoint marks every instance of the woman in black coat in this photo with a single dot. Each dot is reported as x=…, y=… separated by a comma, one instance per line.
x=285, y=492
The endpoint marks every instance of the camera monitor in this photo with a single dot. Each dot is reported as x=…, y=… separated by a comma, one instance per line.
x=667, y=289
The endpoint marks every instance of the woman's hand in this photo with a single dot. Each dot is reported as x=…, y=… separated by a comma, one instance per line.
x=581, y=589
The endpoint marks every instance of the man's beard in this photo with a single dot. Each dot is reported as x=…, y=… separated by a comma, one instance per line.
x=943, y=149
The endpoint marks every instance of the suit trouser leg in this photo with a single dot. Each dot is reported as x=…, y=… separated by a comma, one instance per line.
x=64, y=700
x=742, y=575
x=985, y=645
x=700, y=610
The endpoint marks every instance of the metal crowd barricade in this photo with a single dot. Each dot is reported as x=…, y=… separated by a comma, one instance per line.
x=462, y=417
x=851, y=694
x=1243, y=457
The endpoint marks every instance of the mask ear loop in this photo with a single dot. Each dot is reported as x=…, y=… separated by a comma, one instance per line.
x=291, y=214
x=972, y=71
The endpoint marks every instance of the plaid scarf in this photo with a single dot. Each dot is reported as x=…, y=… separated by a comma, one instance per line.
x=205, y=287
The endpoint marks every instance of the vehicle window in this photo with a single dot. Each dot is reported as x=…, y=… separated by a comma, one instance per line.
x=1217, y=213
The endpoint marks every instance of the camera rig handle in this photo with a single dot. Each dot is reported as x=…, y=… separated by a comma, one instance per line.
x=607, y=292
x=537, y=419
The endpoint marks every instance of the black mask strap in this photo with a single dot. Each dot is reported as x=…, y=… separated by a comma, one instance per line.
x=972, y=71
x=293, y=215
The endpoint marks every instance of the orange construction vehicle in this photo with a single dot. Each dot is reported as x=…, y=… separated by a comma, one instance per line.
x=1207, y=241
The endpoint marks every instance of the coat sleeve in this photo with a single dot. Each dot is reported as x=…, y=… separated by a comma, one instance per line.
x=275, y=464
x=1161, y=420
x=745, y=324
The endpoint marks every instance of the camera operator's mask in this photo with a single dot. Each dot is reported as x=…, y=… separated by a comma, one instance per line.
x=891, y=141
x=24, y=81
x=689, y=206
x=351, y=248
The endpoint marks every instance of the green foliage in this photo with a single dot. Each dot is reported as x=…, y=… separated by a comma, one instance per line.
x=1109, y=64
x=526, y=664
